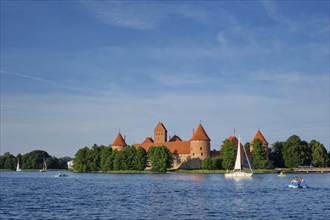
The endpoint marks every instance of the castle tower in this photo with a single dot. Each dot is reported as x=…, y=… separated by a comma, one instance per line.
x=200, y=144
x=119, y=143
x=263, y=140
x=160, y=133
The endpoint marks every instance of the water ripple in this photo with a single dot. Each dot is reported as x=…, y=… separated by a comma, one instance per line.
x=29, y=195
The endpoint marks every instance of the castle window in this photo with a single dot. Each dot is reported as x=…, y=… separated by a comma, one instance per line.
x=201, y=148
x=193, y=154
x=201, y=154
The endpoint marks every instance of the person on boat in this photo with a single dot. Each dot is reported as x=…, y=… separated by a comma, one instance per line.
x=294, y=182
x=302, y=182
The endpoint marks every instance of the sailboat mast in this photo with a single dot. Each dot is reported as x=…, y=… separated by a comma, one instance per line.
x=247, y=159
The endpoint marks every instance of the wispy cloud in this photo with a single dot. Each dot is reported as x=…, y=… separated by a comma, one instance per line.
x=136, y=15
x=144, y=15
x=182, y=80
x=26, y=76
x=52, y=83
x=288, y=77
x=272, y=11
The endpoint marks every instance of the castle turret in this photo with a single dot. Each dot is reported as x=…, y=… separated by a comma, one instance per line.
x=200, y=144
x=119, y=143
x=160, y=133
x=263, y=140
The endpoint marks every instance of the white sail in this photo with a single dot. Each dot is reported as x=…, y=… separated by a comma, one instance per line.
x=17, y=168
x=44, y=166
x=238, y=163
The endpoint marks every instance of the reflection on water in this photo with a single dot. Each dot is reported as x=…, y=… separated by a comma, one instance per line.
x=193, y=176
x=28, y=195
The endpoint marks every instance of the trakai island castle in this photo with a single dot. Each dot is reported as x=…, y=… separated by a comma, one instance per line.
x=186, y=154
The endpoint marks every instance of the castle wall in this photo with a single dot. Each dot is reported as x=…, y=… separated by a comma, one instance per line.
x=119, y=148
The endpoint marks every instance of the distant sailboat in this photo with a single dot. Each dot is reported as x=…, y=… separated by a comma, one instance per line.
x=44, y=166
x=238, y=172
x=17, y=168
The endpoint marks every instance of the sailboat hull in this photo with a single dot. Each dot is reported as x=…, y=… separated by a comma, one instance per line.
x=238, y=174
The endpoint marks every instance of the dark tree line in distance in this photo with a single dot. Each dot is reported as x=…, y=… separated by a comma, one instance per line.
x=33, y=160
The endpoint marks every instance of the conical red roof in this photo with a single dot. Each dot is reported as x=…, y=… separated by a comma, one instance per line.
x=259, y=136
x=119, y=141
x=234, y=140
x=200, y=134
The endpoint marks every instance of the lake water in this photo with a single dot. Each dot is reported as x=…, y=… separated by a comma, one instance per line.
x=34, y=195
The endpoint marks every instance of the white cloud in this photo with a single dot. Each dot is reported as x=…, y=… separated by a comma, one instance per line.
x=287, y=77
x=136, y=15
x=147, y=15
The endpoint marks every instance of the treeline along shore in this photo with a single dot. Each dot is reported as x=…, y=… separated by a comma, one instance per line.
x=33, y=161
x=288, y=154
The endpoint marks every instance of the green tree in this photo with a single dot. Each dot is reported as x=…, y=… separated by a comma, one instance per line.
x=207, y=164
x=319, y=154
x=211, y=163
x=141, y=159
x=34, y=159
x=293, y=152
x=81, y=162
x=109, y=163
x=104, y=155
x=228, y=154
x=8, y=161
x=161, y=159
x=247, y=147
x=52, y=163
x=94, y=158
x=2, y=161
x=130, y=155
x=151, y=153
x=307, y=153
x=276, y=155
x=259, y=160
x=120, y=161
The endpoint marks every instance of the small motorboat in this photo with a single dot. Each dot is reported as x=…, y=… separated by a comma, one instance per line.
x=61, y=175
x=298, y=183
x=282, y=174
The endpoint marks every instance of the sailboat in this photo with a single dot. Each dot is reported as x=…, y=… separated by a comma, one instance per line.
x=44, y=166
x=17, y=168
x=238, y=172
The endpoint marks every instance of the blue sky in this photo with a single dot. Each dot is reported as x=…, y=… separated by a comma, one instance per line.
x=74, y=73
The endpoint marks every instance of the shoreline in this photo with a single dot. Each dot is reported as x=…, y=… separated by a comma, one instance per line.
x=180, y=171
